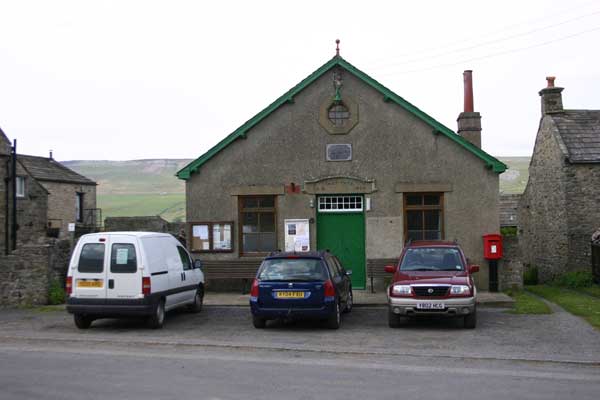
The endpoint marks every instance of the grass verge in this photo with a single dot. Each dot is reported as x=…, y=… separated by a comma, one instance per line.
x=526, y=303
x=574, y=301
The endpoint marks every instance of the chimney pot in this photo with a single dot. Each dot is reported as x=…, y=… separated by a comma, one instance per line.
x=551, y=97
x=468, y=87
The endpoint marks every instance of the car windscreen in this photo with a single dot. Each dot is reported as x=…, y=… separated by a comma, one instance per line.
x=292, y=269
x=432, y=259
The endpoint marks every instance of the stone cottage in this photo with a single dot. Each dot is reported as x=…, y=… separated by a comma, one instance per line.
x=560, y=208
x=49, y=196
x=341, y=162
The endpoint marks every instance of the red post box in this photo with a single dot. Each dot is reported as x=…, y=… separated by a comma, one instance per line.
x=492, y=246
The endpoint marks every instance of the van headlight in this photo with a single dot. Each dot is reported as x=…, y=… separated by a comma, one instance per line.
x=459, y=290
x=401, y=290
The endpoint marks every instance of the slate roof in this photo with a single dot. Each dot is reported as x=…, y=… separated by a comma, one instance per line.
x=509, y=203
x=48, y=169
x=580, y=132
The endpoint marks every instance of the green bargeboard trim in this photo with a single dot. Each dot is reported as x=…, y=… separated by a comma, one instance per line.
x=388, y=96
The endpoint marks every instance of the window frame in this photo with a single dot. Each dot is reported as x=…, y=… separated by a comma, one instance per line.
x=422, y=207
x=211, y=243
x=241, y=211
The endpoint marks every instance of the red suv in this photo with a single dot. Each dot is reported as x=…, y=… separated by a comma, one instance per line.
x=432, y=278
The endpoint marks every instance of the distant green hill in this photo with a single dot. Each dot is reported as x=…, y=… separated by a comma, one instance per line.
x=514, y=179
x=137, y=187
x=149, y=187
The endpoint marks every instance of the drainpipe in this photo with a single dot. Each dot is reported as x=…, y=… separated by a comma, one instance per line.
x=14, y=195
x=7, y=210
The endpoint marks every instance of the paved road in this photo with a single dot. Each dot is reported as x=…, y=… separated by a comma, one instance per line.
x=555, y=337
x=217, y=354
x=74, y=371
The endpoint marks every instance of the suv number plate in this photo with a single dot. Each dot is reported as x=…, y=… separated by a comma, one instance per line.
x=431, y=306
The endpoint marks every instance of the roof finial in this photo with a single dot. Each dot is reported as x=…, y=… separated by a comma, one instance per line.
x=337, y=47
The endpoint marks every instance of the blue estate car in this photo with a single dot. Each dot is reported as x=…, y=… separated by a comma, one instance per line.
x=311, y=285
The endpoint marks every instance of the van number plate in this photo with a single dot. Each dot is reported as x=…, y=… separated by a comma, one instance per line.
x=89, y=284
x=289, y=295
x=431, y=306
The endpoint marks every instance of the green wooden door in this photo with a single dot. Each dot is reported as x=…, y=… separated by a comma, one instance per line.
x=343, y=233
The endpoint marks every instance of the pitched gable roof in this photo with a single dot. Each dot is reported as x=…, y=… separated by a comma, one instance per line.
x=47, y=169
x=580, y=132
x=388, y=96
x=5, y=145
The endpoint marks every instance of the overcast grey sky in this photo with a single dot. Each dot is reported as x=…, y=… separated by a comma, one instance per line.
x=169, y=79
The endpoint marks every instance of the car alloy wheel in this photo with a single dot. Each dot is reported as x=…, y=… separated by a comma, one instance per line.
x=350, y=302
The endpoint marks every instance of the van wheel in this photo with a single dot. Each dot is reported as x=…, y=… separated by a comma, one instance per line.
x=196, y=306
x=157, y=319
x=81, y=321
x=471, y=320
x=334, y=321
x=259, y=323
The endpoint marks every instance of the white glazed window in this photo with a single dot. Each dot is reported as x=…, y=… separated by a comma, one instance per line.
x=20, y=186
x=340, y=203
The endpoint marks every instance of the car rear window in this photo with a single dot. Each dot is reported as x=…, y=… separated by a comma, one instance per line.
x=123, y=259
x=432, y=259
x=91, y=259
x=292, y=269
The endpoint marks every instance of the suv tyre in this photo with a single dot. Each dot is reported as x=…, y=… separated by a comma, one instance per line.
x=470, y=321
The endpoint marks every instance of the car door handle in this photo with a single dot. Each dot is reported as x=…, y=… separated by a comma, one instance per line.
x=111, y=283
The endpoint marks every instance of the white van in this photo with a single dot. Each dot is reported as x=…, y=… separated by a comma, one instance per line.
x=120, y=274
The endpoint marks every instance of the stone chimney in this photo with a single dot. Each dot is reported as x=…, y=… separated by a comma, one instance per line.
x=551, y=97
x=469, y=121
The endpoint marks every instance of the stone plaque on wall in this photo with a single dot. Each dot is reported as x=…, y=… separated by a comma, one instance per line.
x=339, y=152
x=339, y=185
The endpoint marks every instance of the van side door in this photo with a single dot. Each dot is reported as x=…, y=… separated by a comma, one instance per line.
x=124, y=276
x=178, y=277
x=193, y=276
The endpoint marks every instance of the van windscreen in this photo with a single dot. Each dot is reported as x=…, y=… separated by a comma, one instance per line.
x=91, y=259
x=123, y=259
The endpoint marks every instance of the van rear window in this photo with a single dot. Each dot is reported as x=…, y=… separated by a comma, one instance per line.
x=91, y=259
x=123, y=259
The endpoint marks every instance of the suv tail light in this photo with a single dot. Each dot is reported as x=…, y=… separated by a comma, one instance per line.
x=146, y=286
x=69, y=285
x=329, y=288
x=254, y=288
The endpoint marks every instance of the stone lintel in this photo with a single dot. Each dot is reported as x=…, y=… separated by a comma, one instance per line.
x=340, y=185
x=422, y=187
x=257, y=190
